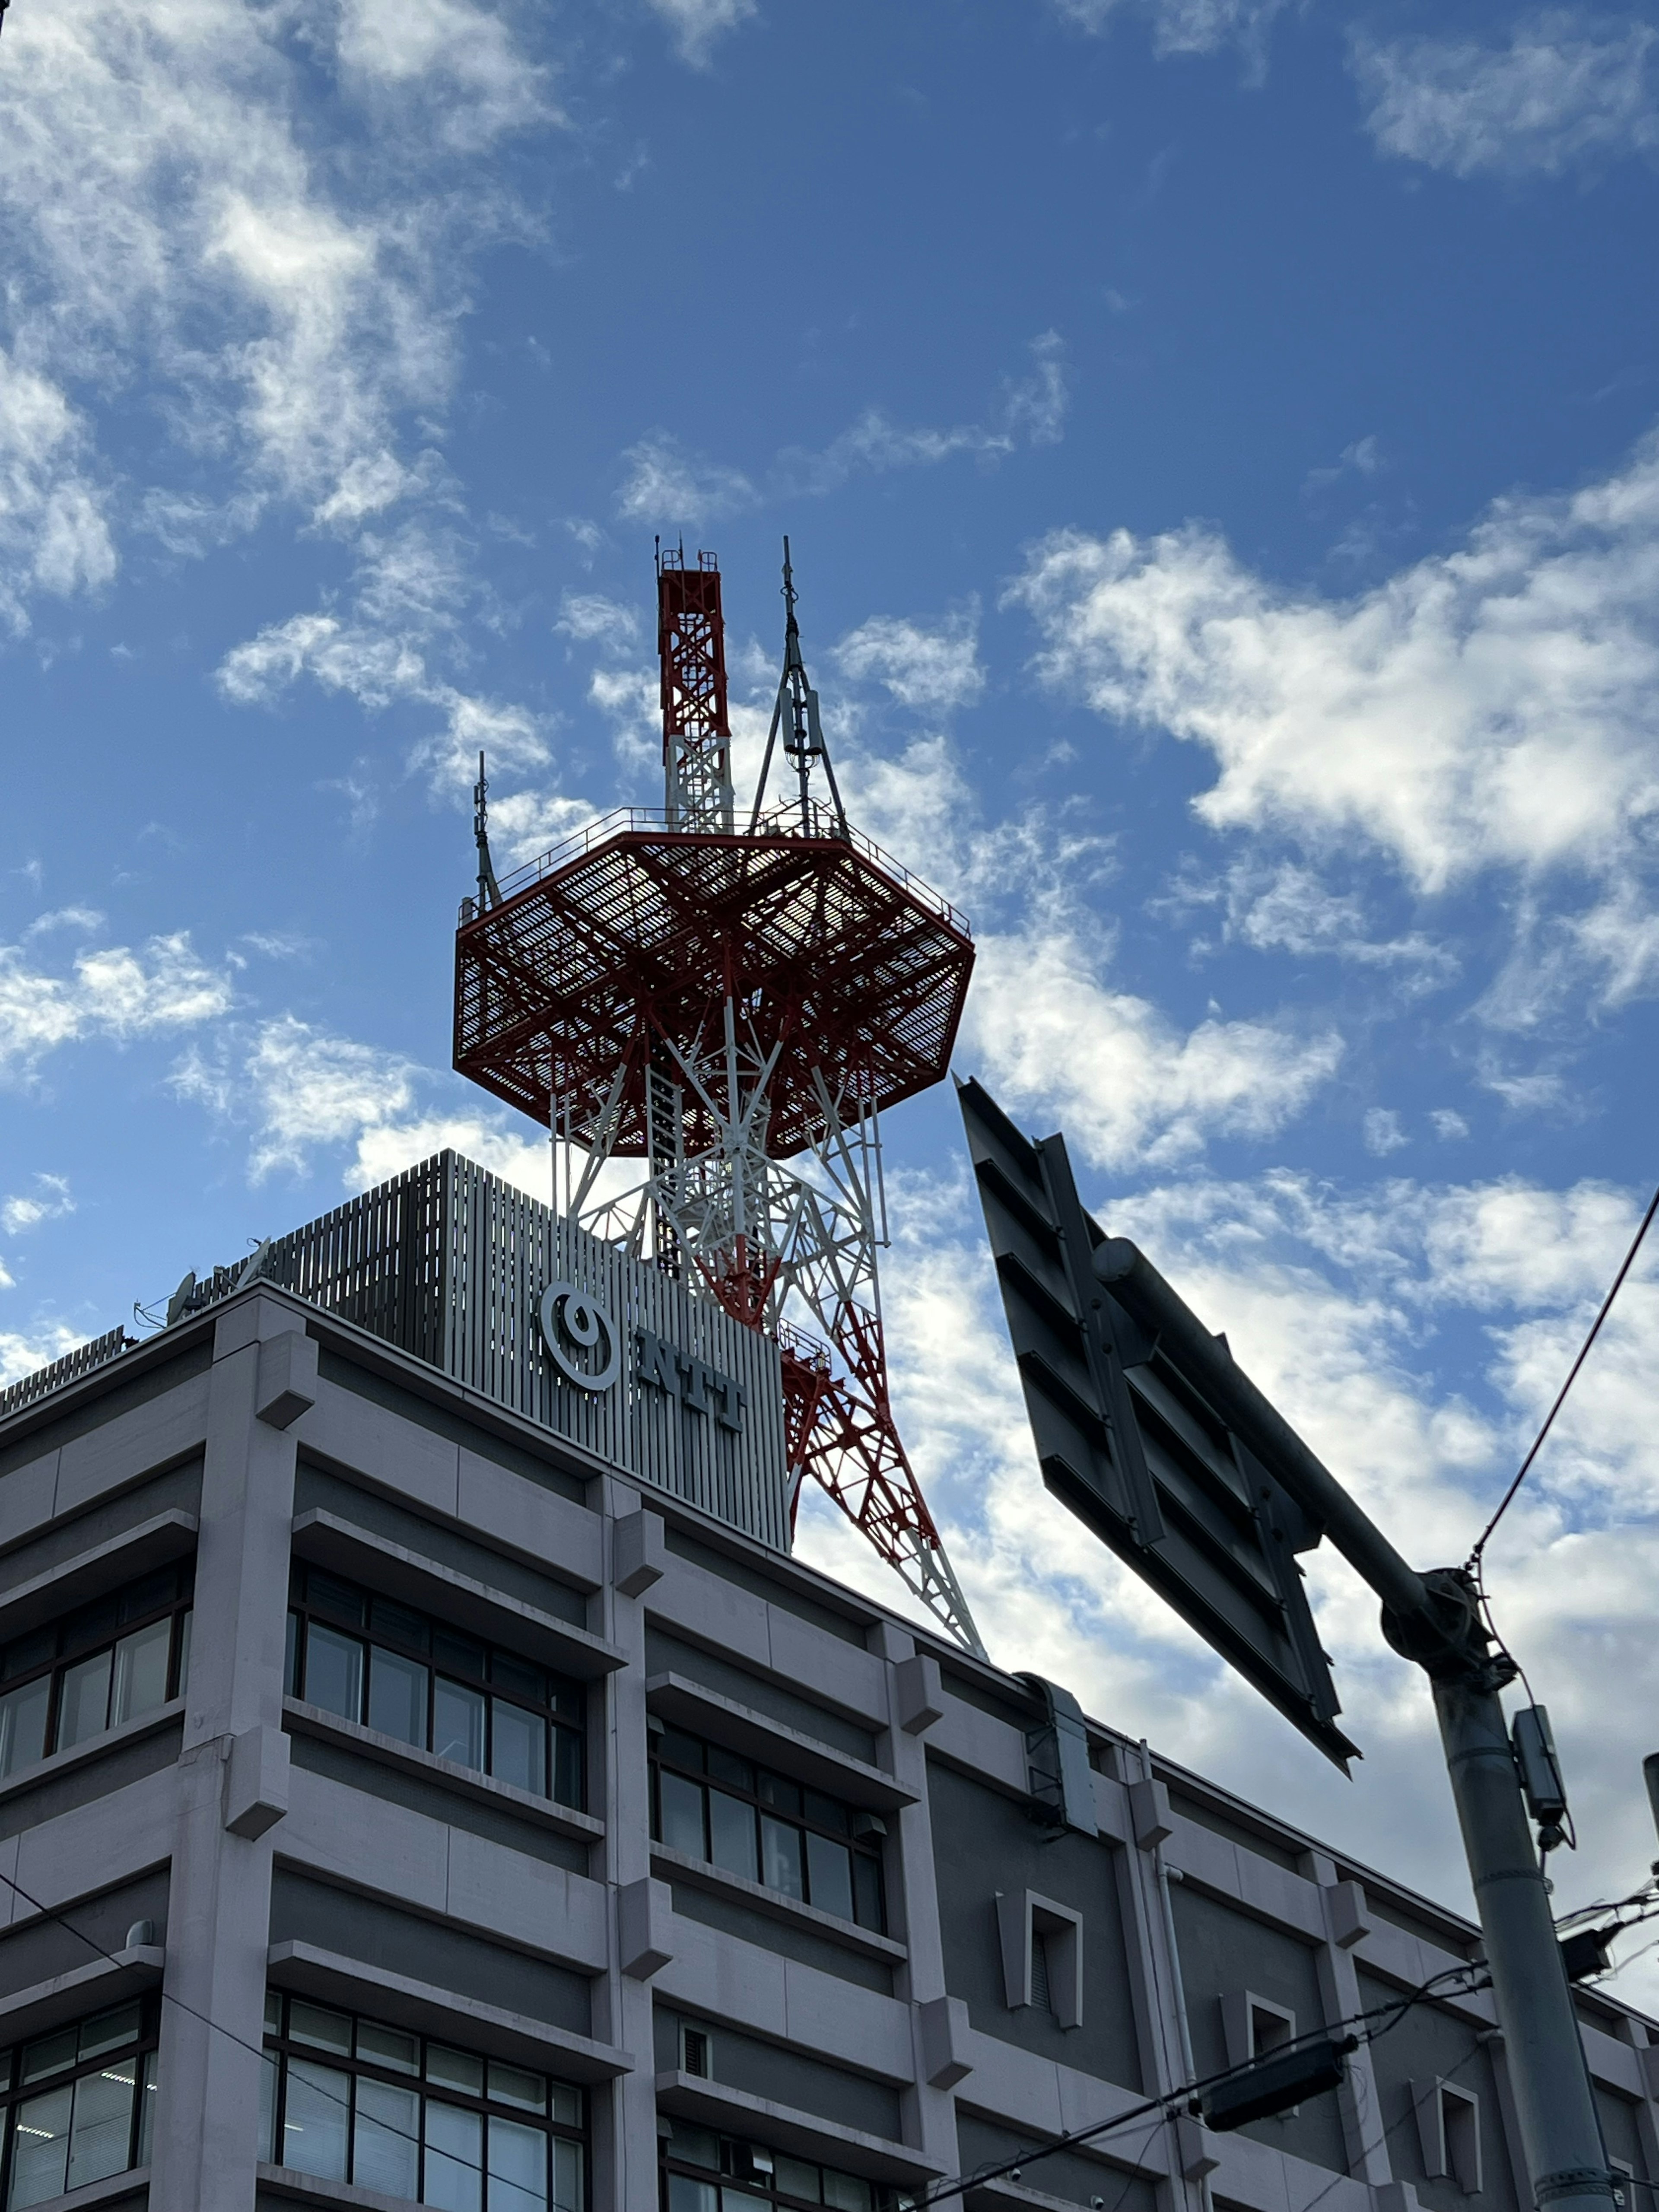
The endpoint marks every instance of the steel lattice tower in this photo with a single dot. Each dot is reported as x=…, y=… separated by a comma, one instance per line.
x=734, y=1009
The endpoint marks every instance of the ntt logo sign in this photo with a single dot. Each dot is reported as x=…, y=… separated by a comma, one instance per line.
x=579, y=1334
x=586, y=1346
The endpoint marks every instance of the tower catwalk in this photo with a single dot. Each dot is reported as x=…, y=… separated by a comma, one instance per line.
x=734, y=1009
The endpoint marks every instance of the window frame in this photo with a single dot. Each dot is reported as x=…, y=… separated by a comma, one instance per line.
x=140, y=2048
x=752, y=2168
x=70, y=1651
x=867, y=1848
x=564, y=1712
x=279, y=2047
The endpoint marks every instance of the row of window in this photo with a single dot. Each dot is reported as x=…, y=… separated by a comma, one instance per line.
x=77, y=2106
x=108, y=1662
x=353, y=2099
x=389, y=1668
x=715, y=1805
x=709, y=2173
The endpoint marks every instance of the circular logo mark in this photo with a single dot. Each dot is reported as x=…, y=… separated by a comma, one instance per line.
x=582, y=1337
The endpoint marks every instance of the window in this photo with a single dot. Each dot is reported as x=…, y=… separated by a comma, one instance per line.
x=358, y=2100
x=712, y=1804
x=1042, y=1946
x=114, y=1660
x=1449, y=2127
x=1254, y=2026
x=78, y=2105
x=696, y=2056
x=407, y=1675
x=707, y=2173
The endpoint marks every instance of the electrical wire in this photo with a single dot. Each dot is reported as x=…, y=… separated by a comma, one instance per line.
x=1158, y=2107
x=1473, y=1563
x=1161, y=2106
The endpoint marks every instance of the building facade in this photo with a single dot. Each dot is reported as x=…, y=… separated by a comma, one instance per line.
x=405, y=1798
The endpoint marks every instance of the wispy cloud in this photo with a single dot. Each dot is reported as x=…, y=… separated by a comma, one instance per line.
x=1486, y=709
x=113, y=993
x=1564, y=90
x=1048, y=1026
x=49, y=1201
x=410, y=593
x=667, y=484
x=697, y=24
x=168, y=216
x=932, y=669
x=301, y=1091
x=1189, y=26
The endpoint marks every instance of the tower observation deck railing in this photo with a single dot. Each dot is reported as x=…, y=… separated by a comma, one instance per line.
x=819, y=822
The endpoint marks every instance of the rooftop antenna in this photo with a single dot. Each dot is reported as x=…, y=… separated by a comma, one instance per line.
x=489, y=891
x=797, y=713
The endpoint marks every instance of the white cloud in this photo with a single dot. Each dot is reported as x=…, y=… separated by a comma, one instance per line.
x=1382, y=1132
x=589, y=617
x=408, y=591
x=112, y=991
x=670, y=487
x=1130, y=1087
x=697, y=24
x=1565, y=90
x=49, y=1199
x=1188, y=27
x=54, y=533
x=1283, y=907
x=171, y=215
x=932, y=671
x=1487, y=708
x=300, y=1091
x=1448, y=1124
x=1030, y=410
x=22, y=1355
x=386, y=1148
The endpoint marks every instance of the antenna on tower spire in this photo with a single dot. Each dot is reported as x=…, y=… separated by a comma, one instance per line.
x=797, y=714
x=489, y=891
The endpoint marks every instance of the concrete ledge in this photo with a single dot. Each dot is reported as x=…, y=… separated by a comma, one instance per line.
x=332, y=1977
x=465, y=1781
x=95, y=1747
x=678, y=1866
x=332, y=1542
x=152, y=1543
x=100, y=1982
x=712, y=2104
x=740, y=1727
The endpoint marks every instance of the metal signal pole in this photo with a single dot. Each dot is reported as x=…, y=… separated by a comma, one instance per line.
x=1434, y=1619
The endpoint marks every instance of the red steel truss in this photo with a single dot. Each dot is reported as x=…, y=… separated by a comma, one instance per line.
x=735, y=1010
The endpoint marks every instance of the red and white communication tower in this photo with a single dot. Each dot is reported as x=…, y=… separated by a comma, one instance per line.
x=734, y=1008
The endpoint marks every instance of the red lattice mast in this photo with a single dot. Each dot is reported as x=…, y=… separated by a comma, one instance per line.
x=735, y=1010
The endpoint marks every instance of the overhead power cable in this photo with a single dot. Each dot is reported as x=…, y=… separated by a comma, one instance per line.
x=1174, y=2100
x=1473, y=1563
x=386, y=2127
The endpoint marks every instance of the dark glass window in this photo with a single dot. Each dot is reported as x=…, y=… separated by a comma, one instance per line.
x=79, y=2104
x=359, y=2100
x=703, y=2171
x=407, y=1675
x=714, y=1804
x=112, y=1660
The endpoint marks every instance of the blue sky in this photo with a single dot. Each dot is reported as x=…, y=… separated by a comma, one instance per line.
x=1217, y=441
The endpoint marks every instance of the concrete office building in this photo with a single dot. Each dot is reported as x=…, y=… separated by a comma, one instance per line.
x=426, y=1779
